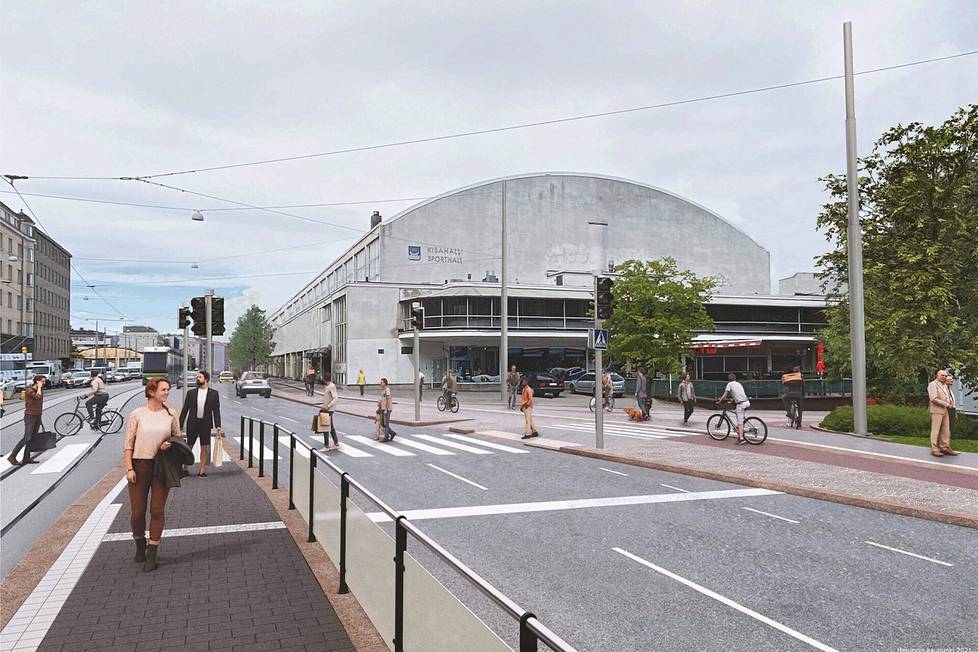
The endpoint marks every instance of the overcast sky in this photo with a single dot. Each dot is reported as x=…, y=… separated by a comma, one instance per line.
x=122, y=89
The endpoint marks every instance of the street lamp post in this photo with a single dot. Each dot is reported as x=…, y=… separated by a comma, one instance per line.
x=503, y=308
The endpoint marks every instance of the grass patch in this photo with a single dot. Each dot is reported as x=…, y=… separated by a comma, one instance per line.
x=961, y=445
x=899, y=421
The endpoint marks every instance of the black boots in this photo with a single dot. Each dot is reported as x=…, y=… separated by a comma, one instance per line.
x=150, y=563
x=140, y=550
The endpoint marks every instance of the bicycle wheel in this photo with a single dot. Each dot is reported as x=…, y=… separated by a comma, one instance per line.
x=454, y=406
x=68, y=424
x=440, y=403
x=755, y=430
x=591, y=404
x=111, y=422
x=717, y=427
x=610, y=405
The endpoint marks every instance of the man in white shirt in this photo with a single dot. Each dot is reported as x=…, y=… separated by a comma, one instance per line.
x=201, y=414
x=739, y=396
x=99, y=397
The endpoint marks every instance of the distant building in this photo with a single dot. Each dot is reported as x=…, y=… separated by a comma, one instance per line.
x=84, y=338
x=17, y=244
x=196, y=347
x=139, y=337
x=52, y=300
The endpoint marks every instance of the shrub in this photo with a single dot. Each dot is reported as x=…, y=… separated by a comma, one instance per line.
x=898, y=420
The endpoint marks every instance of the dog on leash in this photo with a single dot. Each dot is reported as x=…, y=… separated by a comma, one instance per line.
x=634, y=414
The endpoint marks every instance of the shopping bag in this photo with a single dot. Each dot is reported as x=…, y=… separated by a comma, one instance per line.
x=324, y=422
x=43, y=441
x=217, y=450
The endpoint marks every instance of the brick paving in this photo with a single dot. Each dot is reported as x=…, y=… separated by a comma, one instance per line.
x=248, y=590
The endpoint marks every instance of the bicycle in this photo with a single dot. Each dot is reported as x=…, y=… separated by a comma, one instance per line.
x=609, y=404
x=70, y=423
x=794, y=414
x=453, y=406
x=718, y=426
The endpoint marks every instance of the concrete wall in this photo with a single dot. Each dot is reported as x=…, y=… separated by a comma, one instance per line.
x=304, y=332
x=548, y=215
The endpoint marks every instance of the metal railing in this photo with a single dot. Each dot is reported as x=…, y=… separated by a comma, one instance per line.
x=531, y=630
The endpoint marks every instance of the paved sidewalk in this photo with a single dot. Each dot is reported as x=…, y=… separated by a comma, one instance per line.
x=230, y=577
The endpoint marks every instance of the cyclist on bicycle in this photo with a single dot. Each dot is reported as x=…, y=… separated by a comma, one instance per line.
x=607, y=388
x=449, y=387
x=794, y=391
x=739, y=396
x=95, y=404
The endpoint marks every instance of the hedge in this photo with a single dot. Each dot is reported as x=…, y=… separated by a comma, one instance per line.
x=898, y=420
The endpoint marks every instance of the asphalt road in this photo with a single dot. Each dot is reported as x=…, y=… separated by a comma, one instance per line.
x=711, y=572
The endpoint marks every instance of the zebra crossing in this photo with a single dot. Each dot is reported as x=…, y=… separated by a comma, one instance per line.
x=623, y=430
x=413, y=445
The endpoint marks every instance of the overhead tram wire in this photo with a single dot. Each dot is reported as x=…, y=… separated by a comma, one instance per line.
x=525, y=125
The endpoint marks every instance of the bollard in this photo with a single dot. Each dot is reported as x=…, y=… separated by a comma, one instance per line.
x=241, y=440
x=291, y=467
x=312, y=485
x=261, y=449
x=251, y=442
x=275, y=456
x=344, y=495
x=400, y=545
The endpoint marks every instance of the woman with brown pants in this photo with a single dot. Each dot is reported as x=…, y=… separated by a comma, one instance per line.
x=147, y=431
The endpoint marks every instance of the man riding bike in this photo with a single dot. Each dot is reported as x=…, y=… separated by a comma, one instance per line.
x=739, y=396
x=95, y=404
x=607, y=388
x=794, y=391
x=448, y=388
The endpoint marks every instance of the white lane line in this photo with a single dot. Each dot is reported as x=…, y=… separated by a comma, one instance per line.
x=387, y=448
x=455, y=445
x=458, y=477
x=269, y=455
x=583, y=503
x=730, y=603
x=638, y=432
x=487, y=444
x=858, y=450
x=195, y=531
x=406, y=441
x=911, y=554
x=611, y=433
x=236, y=402
x=288, y=419
x=669, y=486
x=615, y=472
x=62, y=459
x=757, y=511
x=258, y=410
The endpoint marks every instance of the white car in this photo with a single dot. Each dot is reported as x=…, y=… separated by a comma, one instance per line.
x=252, y=382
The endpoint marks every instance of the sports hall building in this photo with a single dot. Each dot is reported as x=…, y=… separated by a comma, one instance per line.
x=446, y=253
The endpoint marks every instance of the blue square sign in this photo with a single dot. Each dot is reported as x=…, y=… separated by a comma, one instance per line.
x=598, y=338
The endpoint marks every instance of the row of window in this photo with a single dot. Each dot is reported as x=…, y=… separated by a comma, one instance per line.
x=52, y=276
x=46, y=248
x=16, y=224
x=20, y=276
x=23, y=329
x=358, y=268
x=48, y=298
x=53, y=347
x=47, y=320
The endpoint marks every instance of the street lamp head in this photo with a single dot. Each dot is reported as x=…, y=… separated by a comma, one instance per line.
x=194, y=266
x=197, y=216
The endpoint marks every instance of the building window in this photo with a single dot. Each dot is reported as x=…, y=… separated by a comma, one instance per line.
x=360, y=266
x=348, y=270
x=339, y=337
x=327, y=312
x=373, y=254
x=30, y=280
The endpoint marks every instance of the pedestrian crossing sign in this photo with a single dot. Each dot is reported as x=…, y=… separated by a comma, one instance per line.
x=598, y=339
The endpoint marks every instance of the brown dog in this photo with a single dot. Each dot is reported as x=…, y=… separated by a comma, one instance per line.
x=634, y=414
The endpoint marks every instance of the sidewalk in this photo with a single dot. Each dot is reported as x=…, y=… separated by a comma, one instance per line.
x=230, y=577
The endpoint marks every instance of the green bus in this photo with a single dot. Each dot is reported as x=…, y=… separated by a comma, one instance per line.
x=162, y=362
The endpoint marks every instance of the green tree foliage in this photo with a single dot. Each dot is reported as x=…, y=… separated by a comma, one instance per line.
x=251, y=341
x=657, y=309
x=919, y=215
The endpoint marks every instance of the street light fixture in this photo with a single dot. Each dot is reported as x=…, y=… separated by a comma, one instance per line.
x=194, y=266
x=197, y=216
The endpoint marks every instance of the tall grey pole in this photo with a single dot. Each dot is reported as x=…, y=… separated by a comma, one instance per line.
x=598, y=378
x=857, y=315
x=503, y=309
x=186, y=360
x=417, y=374
x=209, y=301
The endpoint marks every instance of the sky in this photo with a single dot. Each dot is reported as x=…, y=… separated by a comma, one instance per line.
x=129, y=89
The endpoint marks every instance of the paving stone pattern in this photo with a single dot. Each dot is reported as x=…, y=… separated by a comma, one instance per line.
x=229, y=591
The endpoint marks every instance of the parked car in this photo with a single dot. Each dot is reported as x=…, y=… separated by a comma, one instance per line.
x=584, y=384
x=77, y=379
x=252, y=382
x=573, y=375
x=563, y=373
x=226, y=377
x=117, y=376
x=544, y=384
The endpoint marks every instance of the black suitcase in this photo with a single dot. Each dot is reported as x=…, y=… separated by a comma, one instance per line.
x=43, y=441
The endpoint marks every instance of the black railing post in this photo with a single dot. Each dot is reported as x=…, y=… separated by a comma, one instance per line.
x=251, y=442
x=400, y=545
x=312, y=485
x=528, y=640
x=275, y=456
x=241, y=440
x=291, y=467
x=261, y=449
x=344, y=494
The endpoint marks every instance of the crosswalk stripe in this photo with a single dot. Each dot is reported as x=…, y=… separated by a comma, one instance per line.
x=487, y=444
x=406, y=441
x=653, y=434
x=624, y=428
x=269, y=455
x=62, y=459
x=387, y=448
x=352, y=451
x=456, y=445
x=299, y=448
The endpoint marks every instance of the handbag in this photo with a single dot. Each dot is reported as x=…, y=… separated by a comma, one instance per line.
x=43, y=440
x=324, y=422
x=217, y=450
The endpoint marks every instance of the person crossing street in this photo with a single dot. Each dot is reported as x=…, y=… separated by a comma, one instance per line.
x=526, y=405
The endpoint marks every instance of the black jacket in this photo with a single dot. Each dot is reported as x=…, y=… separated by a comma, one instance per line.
x=212, y=411
x=168, y=464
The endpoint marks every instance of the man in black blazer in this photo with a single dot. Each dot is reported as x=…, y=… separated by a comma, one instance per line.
x=201, y=412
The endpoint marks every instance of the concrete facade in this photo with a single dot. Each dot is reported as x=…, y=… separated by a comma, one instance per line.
x=52, y=305
x=17, y=245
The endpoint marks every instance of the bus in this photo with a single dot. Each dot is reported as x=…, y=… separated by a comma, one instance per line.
x=162, y=362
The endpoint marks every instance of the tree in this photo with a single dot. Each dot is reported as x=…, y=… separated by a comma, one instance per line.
x=251, y=342
x=657, y=309
x=919, y=196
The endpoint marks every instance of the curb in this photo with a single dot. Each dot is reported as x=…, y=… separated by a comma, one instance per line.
x=952, y=518
x=461, y=431
x=843, y=432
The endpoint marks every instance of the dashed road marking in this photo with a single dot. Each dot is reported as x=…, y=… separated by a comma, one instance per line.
x=669, y=486
x=615, y=472
x=757, y=511
x=458, y=477
x=911, y=554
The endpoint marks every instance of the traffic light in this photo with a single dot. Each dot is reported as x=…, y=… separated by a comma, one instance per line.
x=198, y=313
x=417, y=316
x=183, y=320
x=604, y=300
x=217, y=316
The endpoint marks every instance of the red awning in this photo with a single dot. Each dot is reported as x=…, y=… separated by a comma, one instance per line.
x=712, y=347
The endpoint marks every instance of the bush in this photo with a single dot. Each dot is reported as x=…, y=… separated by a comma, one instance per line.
x=898, y=420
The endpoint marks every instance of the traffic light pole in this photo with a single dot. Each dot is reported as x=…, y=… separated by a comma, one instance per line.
x=209, y=298
x=417, y=374
x=186, y=358
x=598, y=379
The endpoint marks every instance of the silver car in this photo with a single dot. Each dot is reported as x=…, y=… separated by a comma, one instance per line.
x=252, y=382
x=585, y=384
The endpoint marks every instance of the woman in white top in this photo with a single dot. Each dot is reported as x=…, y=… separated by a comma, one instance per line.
x=329, y=405
x=147, y=431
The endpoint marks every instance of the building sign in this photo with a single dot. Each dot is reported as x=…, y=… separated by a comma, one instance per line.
x=436, y=254
x=414, y=252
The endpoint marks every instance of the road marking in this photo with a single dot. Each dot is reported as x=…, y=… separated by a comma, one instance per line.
x=258, y=410
x=487, y=444
x=352, y=451
x=195, y=531
x=387, y=448
x=458, y=477
x=669, y=486
x=615, y=472
x=236, y=402
x=583, y=503
x=424, y=447
x=269, y=455
x=621, y=430
x=62, y=459
x=757, y=511
x=456, y=445
x=911, y=554
x=859, y=450
x=288, y=419
x=730, y=603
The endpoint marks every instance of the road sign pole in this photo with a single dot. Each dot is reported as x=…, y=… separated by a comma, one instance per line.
x=598, y=377
x=417, y=374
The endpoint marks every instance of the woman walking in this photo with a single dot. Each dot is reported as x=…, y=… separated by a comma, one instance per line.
x=526, y=406
x=386, y=407
x=33, y=408
x=687, y=396
x=147, y=431
x=329, y=406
